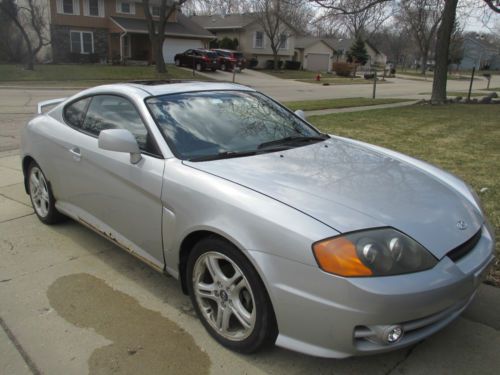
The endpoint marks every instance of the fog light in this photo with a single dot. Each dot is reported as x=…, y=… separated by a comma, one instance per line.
x=393, y=334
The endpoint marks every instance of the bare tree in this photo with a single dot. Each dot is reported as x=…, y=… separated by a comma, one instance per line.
x=211, y=7
x=444, y=33
x=270, y=14
x=30, y=21
x=358, y=24
x=156, y=30
x=421, y=18
x=394, y=43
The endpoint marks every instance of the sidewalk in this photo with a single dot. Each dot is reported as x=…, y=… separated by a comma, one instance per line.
x=321, y=112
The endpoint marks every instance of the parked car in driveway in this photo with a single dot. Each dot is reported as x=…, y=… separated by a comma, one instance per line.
x=229, y=59
x=279, y=233
x=199, y=59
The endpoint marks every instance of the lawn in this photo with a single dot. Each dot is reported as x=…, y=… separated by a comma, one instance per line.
x=342, y=81
x=457, y=93
x=463, y=139
x=428, y=74
x=312, y=105
x=86, y=73
x=293, y=74
x=310, y=77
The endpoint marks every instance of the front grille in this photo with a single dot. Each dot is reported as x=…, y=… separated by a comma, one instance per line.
x=460, y=251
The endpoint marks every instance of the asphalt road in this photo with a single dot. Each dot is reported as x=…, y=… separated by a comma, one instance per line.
x=73, y=303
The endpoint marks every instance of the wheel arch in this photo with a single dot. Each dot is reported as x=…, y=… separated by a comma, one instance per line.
x=27, y=160
x=194, y=237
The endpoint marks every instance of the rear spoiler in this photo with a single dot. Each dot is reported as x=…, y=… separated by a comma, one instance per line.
x=48, y=103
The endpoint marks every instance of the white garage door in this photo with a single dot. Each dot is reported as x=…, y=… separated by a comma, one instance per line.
x=318, y=62
x=173, y=46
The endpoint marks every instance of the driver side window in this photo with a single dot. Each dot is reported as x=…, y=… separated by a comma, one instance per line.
x=115, y=112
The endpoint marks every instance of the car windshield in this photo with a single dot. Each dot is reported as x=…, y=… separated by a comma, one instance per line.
x=211, y=125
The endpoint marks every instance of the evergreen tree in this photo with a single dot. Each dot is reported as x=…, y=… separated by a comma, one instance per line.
x=358, y=54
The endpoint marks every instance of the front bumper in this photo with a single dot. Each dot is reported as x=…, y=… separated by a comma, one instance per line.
x=329, y=316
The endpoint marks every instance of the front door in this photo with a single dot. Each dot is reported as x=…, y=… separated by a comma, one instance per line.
x=104, y=188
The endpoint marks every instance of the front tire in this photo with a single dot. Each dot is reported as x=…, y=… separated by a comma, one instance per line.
x=229, y=297
x=223, y=67
x=42, y=198
x=177, y=62
x=199, y=67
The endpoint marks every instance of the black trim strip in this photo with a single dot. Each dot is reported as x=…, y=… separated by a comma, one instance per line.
x=462, y=250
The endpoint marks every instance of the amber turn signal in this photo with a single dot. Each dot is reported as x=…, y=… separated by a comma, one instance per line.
x=338, y=255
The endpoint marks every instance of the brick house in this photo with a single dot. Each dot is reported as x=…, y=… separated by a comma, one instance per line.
x=111, y=30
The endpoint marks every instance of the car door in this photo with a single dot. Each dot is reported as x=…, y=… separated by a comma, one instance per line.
x=104, y=188
x=187, y=58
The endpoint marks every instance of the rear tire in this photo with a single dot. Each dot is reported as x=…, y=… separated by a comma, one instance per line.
x=42, y=198
x=229, y=297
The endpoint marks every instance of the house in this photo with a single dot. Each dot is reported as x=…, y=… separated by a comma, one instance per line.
x=314, y=54
x=343, y=45
x=480, y=52
x=106, y=30
x=252, y=40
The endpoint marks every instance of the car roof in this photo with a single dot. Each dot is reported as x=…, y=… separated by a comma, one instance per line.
x=157, y=88
x=224, y=50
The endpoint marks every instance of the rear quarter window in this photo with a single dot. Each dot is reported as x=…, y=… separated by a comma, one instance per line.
x=74, y=113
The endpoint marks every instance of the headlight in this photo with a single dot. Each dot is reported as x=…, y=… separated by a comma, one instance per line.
x=374, y=252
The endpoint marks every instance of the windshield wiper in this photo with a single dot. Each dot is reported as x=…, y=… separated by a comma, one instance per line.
x=237, y=154
x=294, y=139
x=223, y=155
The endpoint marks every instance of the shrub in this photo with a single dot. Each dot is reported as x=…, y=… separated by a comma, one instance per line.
x=270, y=64
x=252, y=63
x=343, y=69
x=292, y=65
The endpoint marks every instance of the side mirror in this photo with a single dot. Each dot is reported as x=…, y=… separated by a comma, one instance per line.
x=300, y=113
x=120, y=140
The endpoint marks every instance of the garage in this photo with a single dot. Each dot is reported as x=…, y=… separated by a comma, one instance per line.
x=173, y=46
x=314, y=54
x=318, y=62
x=132, y=41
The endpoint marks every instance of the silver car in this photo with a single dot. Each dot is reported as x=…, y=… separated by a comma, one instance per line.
x=279, y=233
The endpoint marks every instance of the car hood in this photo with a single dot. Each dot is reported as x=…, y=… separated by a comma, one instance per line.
x=349, y=187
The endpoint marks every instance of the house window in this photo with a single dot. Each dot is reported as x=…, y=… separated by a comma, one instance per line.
x=155, y=11
x=82, y=42
x=283, y=41
x=68, y=6
x=258, y=41
x=93, y=7
x=127, y=7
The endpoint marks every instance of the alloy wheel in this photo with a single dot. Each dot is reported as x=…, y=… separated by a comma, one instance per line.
x=39, y=192
x=224, y=296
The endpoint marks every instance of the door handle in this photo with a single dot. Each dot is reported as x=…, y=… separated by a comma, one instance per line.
x=75, y=151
